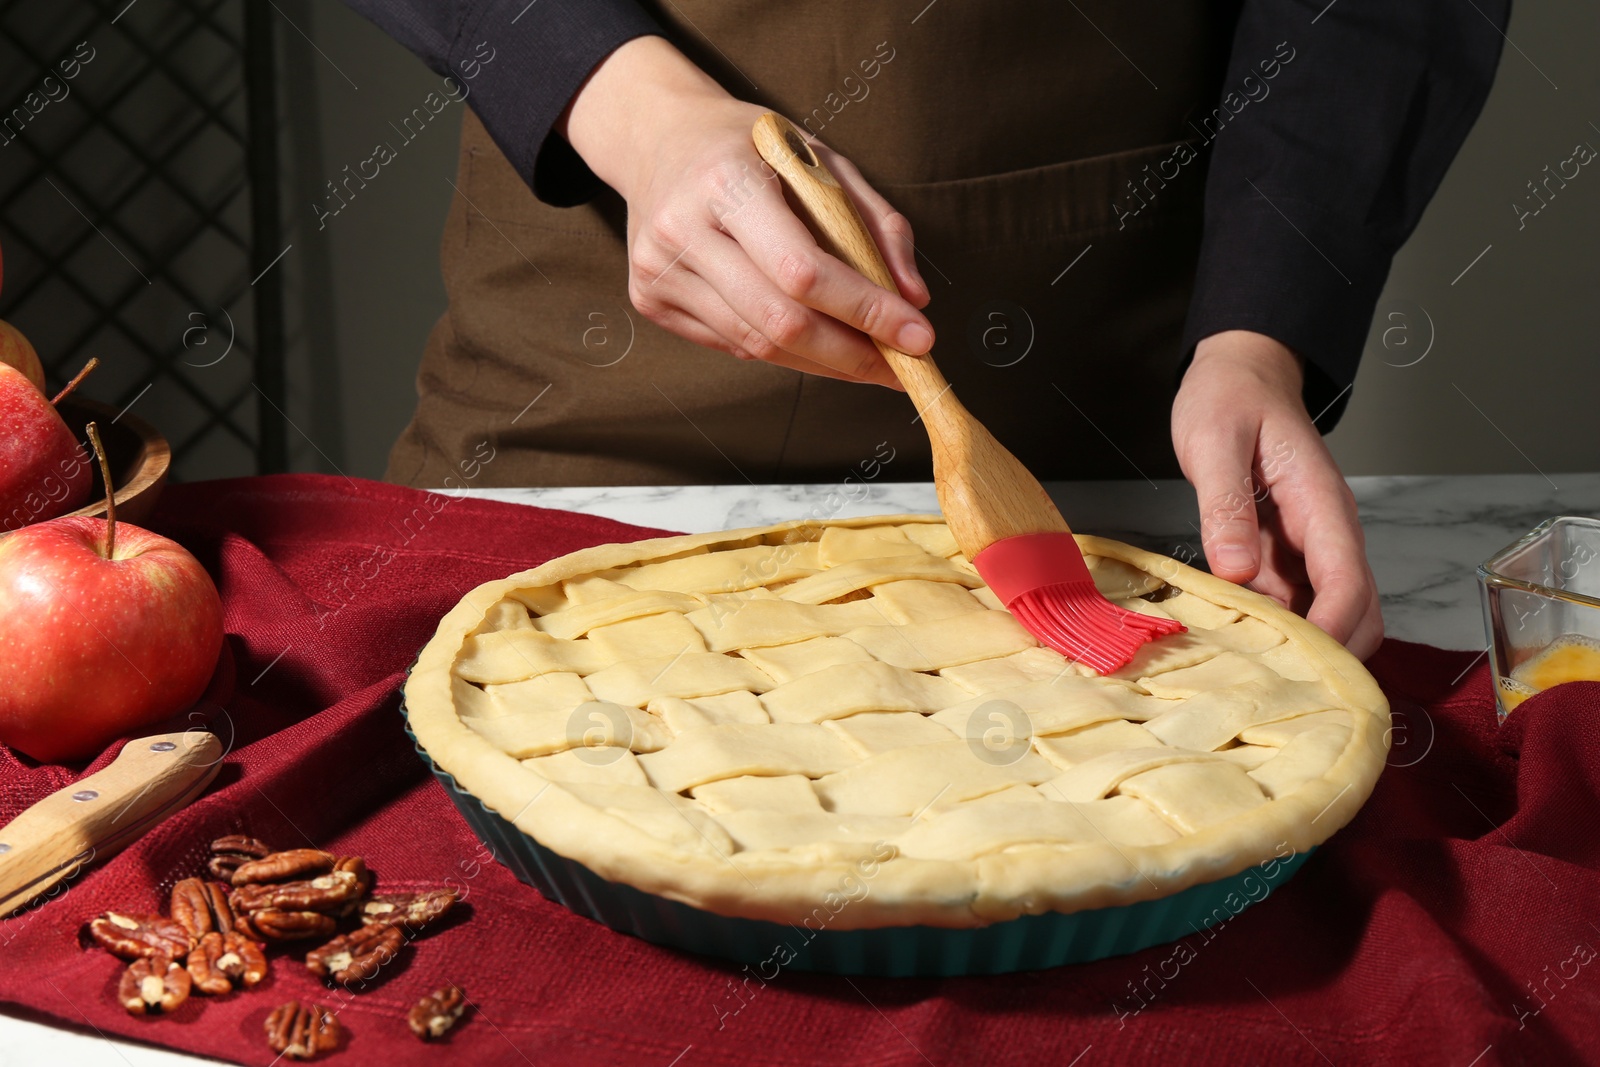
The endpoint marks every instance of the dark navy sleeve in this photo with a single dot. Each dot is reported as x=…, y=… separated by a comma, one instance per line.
x=522, y=62
x=1336, y=124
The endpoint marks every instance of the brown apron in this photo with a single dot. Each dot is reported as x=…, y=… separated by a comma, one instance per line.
x=1057, y=231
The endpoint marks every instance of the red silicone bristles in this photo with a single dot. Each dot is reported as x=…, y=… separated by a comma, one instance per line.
x=1075, y=620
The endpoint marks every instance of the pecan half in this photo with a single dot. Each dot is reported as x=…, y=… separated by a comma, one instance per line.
x=228, y=853
x=249, y=898
x=282, y=866
x=358, y=955
x=300, y=1031
x=152, y=984
x=271, y=924
x=327, y=892
x=356, y=866
x=201, y=907
x=132, y=936
x=412, y=910
x=221, y=960
x=437, y=1012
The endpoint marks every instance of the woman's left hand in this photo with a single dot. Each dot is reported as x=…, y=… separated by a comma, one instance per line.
x=1274, y=510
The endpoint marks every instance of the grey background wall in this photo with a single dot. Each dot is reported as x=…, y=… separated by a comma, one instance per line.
x=1493, y=369
x=369, y=283
x=1514, y=335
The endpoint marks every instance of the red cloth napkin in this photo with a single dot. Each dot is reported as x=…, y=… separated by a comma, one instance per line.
x=1453, y=922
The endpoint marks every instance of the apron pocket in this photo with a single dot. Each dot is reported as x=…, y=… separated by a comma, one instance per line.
x=1077, y=200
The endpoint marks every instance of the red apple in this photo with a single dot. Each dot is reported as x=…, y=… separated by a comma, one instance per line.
x=105, y=628
x=15, y=351
x=44, y=471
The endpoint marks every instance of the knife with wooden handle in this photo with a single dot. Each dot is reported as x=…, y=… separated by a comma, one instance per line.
x=96, y=817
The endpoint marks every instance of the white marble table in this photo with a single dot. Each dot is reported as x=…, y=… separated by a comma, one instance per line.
x=1425, y=536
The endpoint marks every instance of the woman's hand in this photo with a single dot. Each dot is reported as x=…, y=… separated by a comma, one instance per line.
x=1274, y=510
x=715, y=254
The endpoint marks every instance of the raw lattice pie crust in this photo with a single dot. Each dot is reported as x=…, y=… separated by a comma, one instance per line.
x=741, y=721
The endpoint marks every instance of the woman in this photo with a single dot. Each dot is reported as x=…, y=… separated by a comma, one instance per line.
x=1127, y=222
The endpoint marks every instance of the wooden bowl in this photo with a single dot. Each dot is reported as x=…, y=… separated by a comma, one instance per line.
x=139, y=457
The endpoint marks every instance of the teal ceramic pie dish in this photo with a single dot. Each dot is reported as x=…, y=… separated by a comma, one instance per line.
x=1026, y=943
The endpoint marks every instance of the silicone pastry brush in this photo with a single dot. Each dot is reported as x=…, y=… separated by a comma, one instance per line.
x=998, y=512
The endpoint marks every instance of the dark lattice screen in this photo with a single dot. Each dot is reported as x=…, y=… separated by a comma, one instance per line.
x=138, y=204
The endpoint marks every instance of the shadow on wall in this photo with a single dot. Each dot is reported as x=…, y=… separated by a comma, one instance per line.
x=125, y=214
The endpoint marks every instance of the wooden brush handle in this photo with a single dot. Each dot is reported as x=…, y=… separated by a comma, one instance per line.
x=985, y=493
x=839, y=230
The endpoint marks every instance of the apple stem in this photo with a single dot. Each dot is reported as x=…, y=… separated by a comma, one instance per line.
x=105, y=476
x=70, y=386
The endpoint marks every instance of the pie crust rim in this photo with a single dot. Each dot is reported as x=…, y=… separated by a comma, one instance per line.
x=901, y=891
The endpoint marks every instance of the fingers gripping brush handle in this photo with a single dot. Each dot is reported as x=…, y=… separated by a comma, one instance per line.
x=997, y=511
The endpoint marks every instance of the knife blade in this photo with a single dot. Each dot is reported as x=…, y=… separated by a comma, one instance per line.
x=95, y=817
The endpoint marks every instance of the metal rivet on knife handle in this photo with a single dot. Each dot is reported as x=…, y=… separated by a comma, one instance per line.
x=94, y=818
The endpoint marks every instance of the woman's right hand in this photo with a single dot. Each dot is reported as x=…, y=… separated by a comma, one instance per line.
x=715, y=253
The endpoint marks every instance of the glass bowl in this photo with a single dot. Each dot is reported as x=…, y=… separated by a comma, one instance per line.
x=1541, y=606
